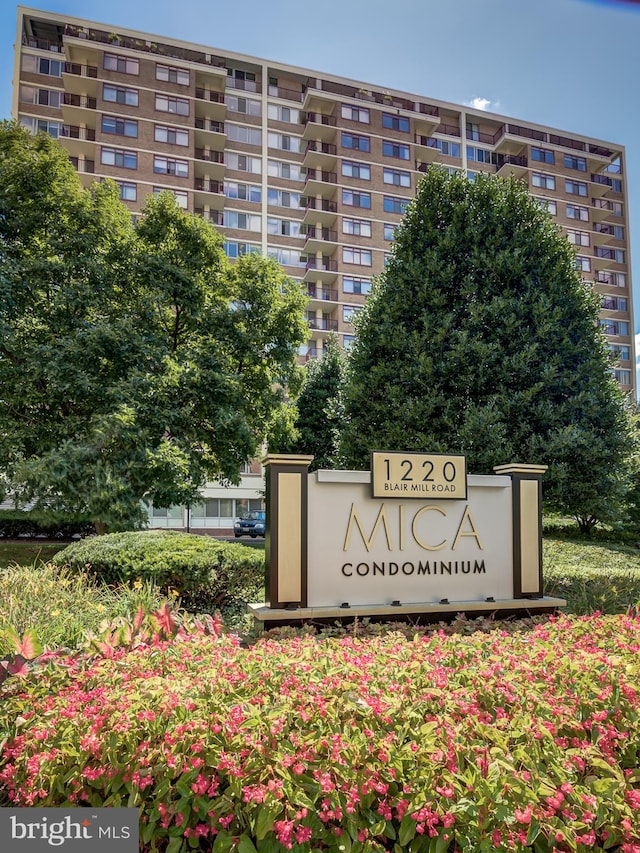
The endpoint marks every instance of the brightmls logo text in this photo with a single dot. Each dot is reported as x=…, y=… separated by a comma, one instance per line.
x=33, y=830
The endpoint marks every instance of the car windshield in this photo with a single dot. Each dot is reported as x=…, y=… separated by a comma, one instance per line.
x=256, y=515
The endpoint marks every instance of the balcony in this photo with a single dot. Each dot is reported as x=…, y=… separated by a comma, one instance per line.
x=316, y=238
x=208, y=193
x=42, y=44
x=319, y=126
x=323, y=324
x=85, y=168
x=320, y=154
x=311, y=353
x=80, y=79
x=601, y=185
x=320, y=182
x=214, y=161
x=286, y=94
x=214, y=216
x=606, y=208
x=209, y=105
x=508, y=164
x=243, y=85
x=323, y=270
x=319, y=211
x=74, y=108
x=79, y=141
x=210, y=133
x=321, y=294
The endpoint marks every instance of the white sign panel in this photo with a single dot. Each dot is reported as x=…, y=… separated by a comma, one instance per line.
x=365, y=551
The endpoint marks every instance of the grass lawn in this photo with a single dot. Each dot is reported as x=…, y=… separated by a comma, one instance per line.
x=26, y=552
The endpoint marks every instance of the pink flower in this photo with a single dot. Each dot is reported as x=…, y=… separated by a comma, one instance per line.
x=524, y=816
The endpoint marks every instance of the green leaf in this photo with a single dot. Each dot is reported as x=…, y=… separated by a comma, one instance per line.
x=245, y=844
x=407, y=830
x=264, y=821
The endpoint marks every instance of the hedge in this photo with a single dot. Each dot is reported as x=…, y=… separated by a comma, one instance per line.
x=16, y=524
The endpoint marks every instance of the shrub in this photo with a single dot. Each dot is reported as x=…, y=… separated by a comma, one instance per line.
x=604, y=577
x=516, y=739
x=61, y=606
x=197, y=567
x=17, y=523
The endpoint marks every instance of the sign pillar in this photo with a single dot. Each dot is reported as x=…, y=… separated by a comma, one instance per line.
x=527, y=528
x=286, y=538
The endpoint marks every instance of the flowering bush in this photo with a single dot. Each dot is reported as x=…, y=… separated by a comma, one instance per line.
x=433, y=742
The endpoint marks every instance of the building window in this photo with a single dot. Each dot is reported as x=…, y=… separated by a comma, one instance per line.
x=243, y=162
x=354, y=198
x=283, y=227
x=360, y=114
x=575, y=211
x=578, y=238
x=169, y=74
x=245, y=106
x=613, y=279
x=246, y=192
x=237, y=250
x=122, y=64
x=180, y=196
x=389, y=231
x=283, y=198
x=575, y=187
x=44, y=97
x=449, y=149
x=614, y=303
x=548, y=204
x=40, y=65
x=356, y=227
x=351, y=284
x=171, y=135
x=622, y=376
x=119, y=157
x=351, y=255
x=243, y=133
x=349, y=312
x=284, y=142
x=127, y=191
x=572, y=162
x=119, y=126
x=479, y=155
x=289, y=171
x=168, y=104
x=348, y=341
x=242, y=221
x=355, y=142
x=395, y=205
x=542, y=155
x=582, y=264
x=42, y=125
x=395, y=149
x=615, y=231
x=614, y=327
x=621, y=351
x=396, y=177
x=546, y=182
x=616, y=255
x=170, y=166
x=120, y=95
x=290, y=115
x=473, y=131
x=393, y=122
x=286, y=257
x=356, y=170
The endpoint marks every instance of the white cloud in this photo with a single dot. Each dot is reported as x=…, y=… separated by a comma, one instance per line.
x=482, y=104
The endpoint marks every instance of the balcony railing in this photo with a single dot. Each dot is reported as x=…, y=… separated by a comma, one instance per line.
x=510, y=160
x=614, y=207
x=286, y=94
x=315, y=233
x=80, y=70
x=72, y=100
x=169, y=50
x=324, y=204
x=205, y=124
x=324, y=293
x=426, y=141
x=245, y=85
x=311, y=353
x=321, y=175
x=209, y=156
x=322, y=264
x=43, y=44
x=324, y=324
x=601, y=179
x=320, y=118
x=214, y=97
x=81, y=165
x=71, y=131
x=322, y=147
x=208, y=186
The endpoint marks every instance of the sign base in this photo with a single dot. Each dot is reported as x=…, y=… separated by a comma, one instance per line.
x=427, y=612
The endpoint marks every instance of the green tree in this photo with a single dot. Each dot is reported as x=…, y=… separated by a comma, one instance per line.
x=480, y=338
x=319, y=406
x=135, y=362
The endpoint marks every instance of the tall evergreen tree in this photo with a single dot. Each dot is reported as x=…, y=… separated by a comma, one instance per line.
x=319, y=406
x=481, y=338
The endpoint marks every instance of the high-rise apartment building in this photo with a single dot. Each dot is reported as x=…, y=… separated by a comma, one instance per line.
x=311, y=169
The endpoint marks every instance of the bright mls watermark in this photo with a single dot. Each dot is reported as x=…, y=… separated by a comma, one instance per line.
x=33, y=830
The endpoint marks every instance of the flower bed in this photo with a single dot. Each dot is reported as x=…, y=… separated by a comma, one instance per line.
x=512, y=738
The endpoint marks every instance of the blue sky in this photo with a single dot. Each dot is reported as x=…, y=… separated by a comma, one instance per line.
x=572, y=64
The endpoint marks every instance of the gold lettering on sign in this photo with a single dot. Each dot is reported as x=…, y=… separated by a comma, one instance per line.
x=466, y=516
x=381, y=519
x=415, y=534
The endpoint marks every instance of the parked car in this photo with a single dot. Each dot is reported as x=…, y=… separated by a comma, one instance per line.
x=251, y=524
